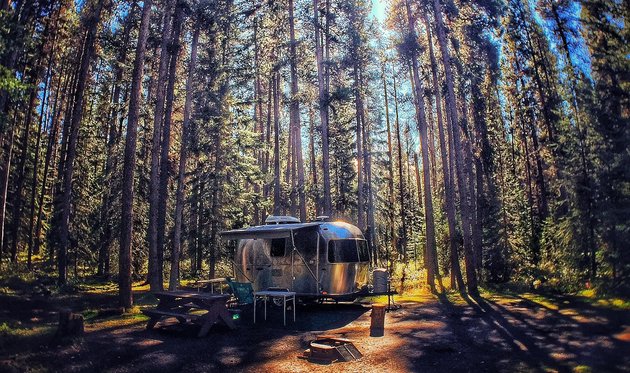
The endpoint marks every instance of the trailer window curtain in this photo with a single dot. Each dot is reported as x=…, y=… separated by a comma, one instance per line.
x=347, y=251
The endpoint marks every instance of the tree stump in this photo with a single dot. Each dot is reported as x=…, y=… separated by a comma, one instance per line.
x=70, y=324
x=377, y=324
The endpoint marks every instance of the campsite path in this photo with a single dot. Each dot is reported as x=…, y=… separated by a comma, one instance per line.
x=497, y=333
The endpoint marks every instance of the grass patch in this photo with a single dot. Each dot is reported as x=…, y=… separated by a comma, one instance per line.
x=13, y=336
x=593, y=297
x=582, y=369
x=541, y=300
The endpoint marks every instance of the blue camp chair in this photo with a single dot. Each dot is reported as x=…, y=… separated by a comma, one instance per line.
x=243, y=292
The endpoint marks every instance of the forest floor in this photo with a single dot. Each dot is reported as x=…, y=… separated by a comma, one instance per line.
x=501, y=331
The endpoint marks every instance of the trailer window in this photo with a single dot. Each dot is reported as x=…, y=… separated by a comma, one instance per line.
x=277, y=246
x=347, y=251
x=364, y=254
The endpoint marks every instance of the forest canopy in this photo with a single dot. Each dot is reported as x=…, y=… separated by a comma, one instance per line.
x=473, y=142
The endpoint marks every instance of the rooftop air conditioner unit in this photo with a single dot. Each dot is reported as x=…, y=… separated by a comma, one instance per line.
x=271, y=219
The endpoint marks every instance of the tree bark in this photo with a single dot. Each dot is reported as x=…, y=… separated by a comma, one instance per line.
x=71, y=150
x=390, y=181
x=155, y=270
x=322, y=72
x=295, y=116
x=452, y=117
x=135, y=100
x=447, y=172
x=174, y=48
x=432, y=270
x=277, y=203
x=183, y=154
x=359, y=146
x=402, y=248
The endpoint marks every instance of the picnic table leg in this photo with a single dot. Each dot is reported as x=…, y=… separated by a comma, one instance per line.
x=217, y=312
x=205, y=328
x=226, y=317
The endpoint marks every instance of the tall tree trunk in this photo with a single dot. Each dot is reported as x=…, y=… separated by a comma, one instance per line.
x=258, y=122
x=452, y=118
x=77, y=115
x=447, y=172
x=21, y=170
x=390, y=181
x=359, y=145
x=155, y=270
x=50, y=148
x=113, y=137
x=277, y=203
x=371, y=222
x=295, y=116
x=402, y=248
x=135, y=100
x=313, y=161
x=36, y=160
x=181, y=182
x=174, y=48
x=432, y=270
x=322, y=72
x=4, y=184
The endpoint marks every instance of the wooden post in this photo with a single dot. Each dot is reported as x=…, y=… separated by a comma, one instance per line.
x=377, y=325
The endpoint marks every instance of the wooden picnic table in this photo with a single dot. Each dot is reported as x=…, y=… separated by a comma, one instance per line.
x=179, y=304
x=210, y=284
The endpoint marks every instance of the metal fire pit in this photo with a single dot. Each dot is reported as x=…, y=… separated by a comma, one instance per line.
x=327, y=350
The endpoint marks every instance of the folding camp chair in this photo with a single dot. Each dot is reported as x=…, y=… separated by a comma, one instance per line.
x=243, y=293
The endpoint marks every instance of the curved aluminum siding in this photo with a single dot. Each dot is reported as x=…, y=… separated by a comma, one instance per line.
x=255, y=263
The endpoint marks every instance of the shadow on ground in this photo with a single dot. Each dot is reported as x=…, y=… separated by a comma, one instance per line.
x=504, y=333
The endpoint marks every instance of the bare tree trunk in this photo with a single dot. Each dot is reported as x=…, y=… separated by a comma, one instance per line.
x=155, y=269
x=401, y=188
x=359, y=145
x=432, y=270
x=135, y=100
x=390, y=182
x=447, y=172
x=313, y=157
x=181, y=182
x=267, y=140
x=71, y=151
x=258, y=122
x=277, y=203
x=50, y=149
x=36, y=161
x=174, y=48
x=295, y=117
x=4, y=184
x=21, y=169
x=371, y=223
x=452, y=117
x=113, y=138
x=322, y=72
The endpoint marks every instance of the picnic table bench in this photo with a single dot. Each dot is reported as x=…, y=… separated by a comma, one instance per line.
x=179, y=304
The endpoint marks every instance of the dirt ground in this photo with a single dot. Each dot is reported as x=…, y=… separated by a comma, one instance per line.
x=498, y=332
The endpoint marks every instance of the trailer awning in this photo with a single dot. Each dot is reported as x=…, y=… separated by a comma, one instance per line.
x=267, y=231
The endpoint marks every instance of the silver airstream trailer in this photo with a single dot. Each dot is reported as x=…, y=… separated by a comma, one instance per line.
x=322, y=259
